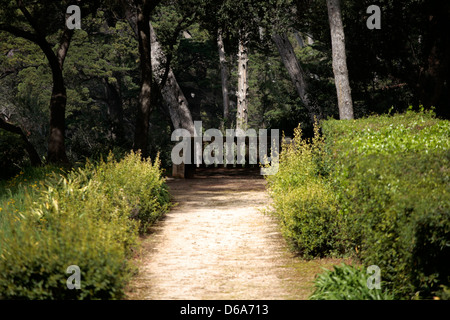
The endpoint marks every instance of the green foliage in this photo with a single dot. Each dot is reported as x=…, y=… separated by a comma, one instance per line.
x=11, y=155
x=376, y=188
x=102, y=87
x=273, y=101
x=89, y=217
x=101, y=76
x=141, y=182
x=303, y=200
x=346, y=282
x=391, y=178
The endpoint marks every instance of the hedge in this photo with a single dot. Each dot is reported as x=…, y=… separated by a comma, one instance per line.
x=91, y=218
x=384, y=197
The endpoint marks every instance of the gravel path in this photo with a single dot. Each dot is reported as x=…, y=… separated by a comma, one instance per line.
x=217, y=244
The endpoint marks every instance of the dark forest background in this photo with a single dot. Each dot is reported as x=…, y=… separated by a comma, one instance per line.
x=403, y=64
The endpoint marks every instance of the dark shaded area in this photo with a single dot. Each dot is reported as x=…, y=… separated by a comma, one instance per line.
x=221, y=172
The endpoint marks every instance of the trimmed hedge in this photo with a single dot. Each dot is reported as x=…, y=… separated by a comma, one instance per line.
x=391, y=178
x=387, y=198
x=90, y=218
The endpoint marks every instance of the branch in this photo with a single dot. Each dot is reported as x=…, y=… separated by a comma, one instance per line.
x=7, y=72
x=10, y=127
x=35, y=38
x=64, y=45
x=30, y=18
x=19, y=33
x=34, y=157
x=39, y=37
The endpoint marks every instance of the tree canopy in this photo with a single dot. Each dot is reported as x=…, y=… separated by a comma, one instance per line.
x=79, y=93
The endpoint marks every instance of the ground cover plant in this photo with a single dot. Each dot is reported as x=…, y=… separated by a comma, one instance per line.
x=374, y=188
x=346, y=282
x=89, y=217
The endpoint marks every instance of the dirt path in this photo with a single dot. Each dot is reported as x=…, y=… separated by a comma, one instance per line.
x=217, y=244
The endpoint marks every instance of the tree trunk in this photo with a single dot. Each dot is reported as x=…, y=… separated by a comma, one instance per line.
x=171, y=92
x=144, y=106
x=32, y=153
x=224, y=77
x=340, y=70
x=296, y=73
x=115, y=111
x=174, y=99
x=56, y=152
x=242, y=101
x=299, y=39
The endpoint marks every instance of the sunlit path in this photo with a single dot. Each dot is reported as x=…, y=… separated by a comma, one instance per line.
x=217, y=244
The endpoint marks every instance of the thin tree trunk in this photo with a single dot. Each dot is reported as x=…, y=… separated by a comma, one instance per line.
x=115, y=111
x=242, y=101
x=224, y=78
x=56, y=152
x=296, y=73
x=56, y=142
x=299, y=39
x=144, y=107
x=340, y=70
x=32, y=153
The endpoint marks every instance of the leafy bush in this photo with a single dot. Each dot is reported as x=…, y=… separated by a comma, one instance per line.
x=376, y=188
x=303, y=200
x=142, y=183
x=83, y=219
x=391, y=178
x=346, y=282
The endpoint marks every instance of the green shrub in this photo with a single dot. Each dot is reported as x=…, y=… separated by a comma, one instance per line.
x=303, y=200
x=391, y=178
x=141, y=181
x=346, y=282
x=28, y=183
x=35, y=258
x=86, y=219
x=376, y=188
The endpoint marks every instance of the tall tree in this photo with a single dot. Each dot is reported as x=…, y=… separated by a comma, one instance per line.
x=242, y=88
x=224, y=77
x=238, y=21
x=30, y=25
x=173, y=97
x=143, y=10
x=296, y=73
x=340, y=70
x=172, y=94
